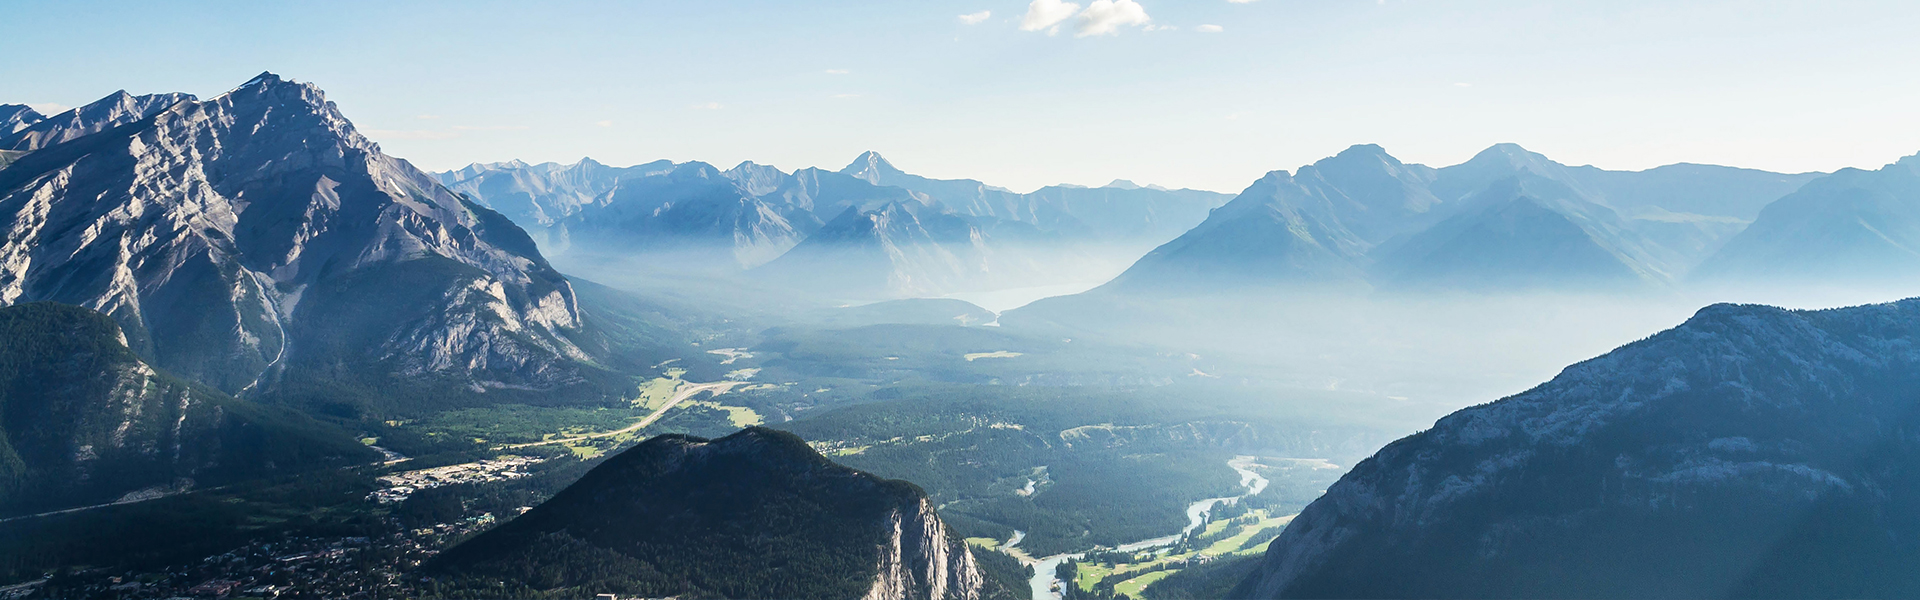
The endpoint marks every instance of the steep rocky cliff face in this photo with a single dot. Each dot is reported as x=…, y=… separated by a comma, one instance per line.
x=83, y=421
x=240, y=237
x=757, y=514
x=922, y=559
x=1750, y=452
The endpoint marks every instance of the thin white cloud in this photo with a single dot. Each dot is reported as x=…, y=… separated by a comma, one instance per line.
x=1463, y=84
x=427, y=117
x=1105, y=17
x=604, y=123
x=1209, y=29
x=707, y=106
x=838, y=71
x=976, y=18
x=49, y=108
x=1047, y=15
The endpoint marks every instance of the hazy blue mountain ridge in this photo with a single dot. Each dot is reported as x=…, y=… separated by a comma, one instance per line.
x=1506, y=219
x=1854, y=227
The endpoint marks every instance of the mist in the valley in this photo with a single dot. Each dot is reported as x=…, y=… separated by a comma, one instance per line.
x=1428, y=353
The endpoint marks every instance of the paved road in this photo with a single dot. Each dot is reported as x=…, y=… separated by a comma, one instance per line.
x=80, y=509
x=685, y=392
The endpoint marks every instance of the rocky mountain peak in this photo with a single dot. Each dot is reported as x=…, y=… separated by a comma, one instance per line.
x=269, y=208
x=1507, y=159
x=872, y=167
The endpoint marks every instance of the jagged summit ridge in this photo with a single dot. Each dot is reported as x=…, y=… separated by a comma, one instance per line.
x=118, y=108
x=233, y=220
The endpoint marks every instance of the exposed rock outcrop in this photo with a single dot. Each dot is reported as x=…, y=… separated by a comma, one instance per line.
x=236, y=237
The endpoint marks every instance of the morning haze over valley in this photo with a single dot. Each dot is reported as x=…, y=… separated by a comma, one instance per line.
x=1008, y=300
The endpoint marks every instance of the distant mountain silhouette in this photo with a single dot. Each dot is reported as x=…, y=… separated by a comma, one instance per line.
x=1852, y=227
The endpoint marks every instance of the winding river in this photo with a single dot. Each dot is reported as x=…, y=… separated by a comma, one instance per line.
x=1043, y=582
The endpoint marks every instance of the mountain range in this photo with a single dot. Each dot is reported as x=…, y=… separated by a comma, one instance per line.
x=902, y=235
x=1750, y=452
x=756, y=514
x=1506, y=219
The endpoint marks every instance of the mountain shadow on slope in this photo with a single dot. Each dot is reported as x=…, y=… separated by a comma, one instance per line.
x=84, y=421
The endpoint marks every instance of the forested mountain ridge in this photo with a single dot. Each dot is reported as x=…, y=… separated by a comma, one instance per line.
x=84, y=421
x=757, y=514
x=1750, y=452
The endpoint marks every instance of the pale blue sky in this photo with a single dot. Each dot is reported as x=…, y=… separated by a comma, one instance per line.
x=1620, y=84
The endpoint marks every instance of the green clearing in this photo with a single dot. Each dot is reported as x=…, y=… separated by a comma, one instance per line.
x=984, y=543
x=740, y=416
x=1133, y=587
x=1241, y=536
x=656, y=392
x=1237, y=542
x=1090, y=574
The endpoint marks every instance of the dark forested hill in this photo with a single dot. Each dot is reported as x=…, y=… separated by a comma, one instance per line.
x=757, y=514
x=1750, y=452
x=83, y=421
